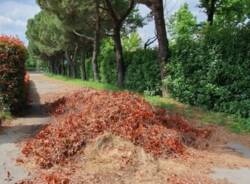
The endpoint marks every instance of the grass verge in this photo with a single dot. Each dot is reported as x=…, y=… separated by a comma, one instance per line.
x=87, y=84
x=5, y=116
x=233, y=123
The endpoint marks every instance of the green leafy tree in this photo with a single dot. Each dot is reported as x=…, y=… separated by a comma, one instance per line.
x=46, y=38
x=45, y=33
x=182, y=24
x=118, y=12
x=233, y=12
x=132, y=42
x=210, y=7
x=80, y=18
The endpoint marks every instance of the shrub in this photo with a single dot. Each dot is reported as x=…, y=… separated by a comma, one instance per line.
x=213, y=70
x=142, y=70
x=12, y=74
x=108, y=66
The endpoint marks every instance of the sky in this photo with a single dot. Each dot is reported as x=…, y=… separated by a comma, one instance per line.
x=15, y=13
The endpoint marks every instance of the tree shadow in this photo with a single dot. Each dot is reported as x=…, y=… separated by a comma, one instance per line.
x=18, y=133
x=29, y=121
x=35, y=109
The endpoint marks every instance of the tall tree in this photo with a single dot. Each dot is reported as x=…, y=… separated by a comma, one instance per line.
x=81, y=18
x=45, y=36
x=96, y=44
x=118, y=17
x=233, y=12
x=182, y=24
x=158, y=12
x=210, y=9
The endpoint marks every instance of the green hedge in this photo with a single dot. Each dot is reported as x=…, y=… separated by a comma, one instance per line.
x=12, y=74
x=213, y=71
x=142, y=70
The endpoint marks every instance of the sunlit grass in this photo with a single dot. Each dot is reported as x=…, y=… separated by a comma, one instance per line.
x=233, y=123
x=5, y=116
x=82, y=83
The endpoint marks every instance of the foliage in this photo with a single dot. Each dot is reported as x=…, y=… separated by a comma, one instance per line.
x=182, y=24
x=233, y=12
x=45, y=34
x=213, y=71
x=12, y=74
x=232, y=122
x=143, y=73
x=107, y=62
x=142, y=69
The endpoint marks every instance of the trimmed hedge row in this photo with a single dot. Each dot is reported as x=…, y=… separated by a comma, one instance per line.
x=213, y=71
x=13, y=87
x=142, y=70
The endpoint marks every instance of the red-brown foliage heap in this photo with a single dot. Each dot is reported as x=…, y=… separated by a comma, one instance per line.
x=81, y=117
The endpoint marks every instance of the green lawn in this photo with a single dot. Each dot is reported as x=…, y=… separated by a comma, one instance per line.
x=233, y=123
x=87, y=84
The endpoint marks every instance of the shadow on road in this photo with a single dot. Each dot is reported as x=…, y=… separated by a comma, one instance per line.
x=18, y=133
x=31, y=120
x=34, y=109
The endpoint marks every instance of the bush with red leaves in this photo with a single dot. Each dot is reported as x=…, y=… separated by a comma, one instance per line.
x=86, y=114
x=12, y=74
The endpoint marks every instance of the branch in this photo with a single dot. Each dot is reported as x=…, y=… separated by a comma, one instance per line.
x=111, y=11
x=75, y=52
x=131, y=7
x=149, y=42
x=103, y=8
x=83, y=36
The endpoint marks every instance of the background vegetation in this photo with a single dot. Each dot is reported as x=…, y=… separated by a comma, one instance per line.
x=201, y=63
x=210, y=64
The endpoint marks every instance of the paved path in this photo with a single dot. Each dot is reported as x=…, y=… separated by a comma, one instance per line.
x=24, y=127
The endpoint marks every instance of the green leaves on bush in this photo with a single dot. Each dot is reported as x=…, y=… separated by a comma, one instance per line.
x=213, y=71
x=142, y=70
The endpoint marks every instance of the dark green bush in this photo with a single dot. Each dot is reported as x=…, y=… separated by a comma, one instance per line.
x=12, y=74
x=142, y=71
x=213, y=70
x=108, y=66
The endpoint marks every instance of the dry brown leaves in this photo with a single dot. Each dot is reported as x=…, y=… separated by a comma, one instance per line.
x=81, y=117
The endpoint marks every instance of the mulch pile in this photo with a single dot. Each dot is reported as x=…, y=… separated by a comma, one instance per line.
x=86, y=114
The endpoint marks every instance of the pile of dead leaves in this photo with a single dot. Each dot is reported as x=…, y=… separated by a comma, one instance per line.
x=86, y=114
x=53, y=178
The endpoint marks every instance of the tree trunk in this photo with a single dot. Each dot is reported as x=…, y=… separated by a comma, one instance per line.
x=96, y=44
x=71, y=64
x=57, y=65
x=119, y=56
x=163, y=54
x=83, y=68
x=68, y=70
x=50, y=66
x=62, y=66
x=73, y=69
x=118, y=21
x=211, y=12
x=53, y=67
